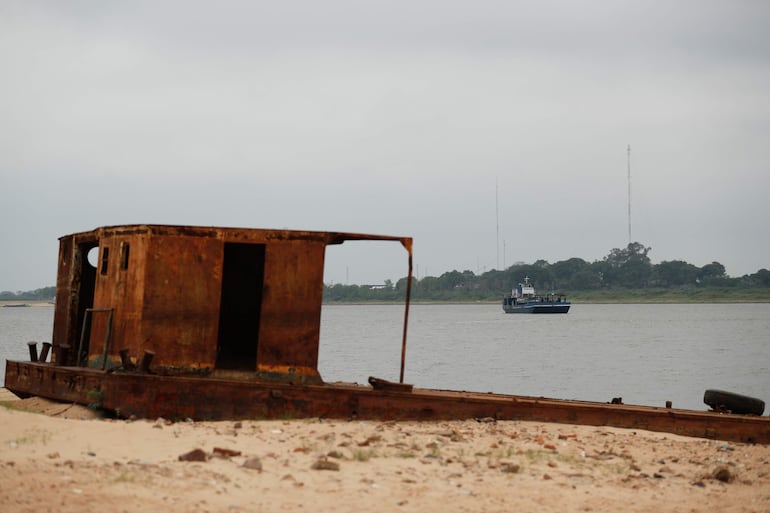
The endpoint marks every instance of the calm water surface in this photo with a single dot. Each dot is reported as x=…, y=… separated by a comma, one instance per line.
x=21, y=325
x=646, y=354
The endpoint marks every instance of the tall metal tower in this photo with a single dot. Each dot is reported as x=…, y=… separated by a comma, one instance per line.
x=629, y=194
x=497, y=228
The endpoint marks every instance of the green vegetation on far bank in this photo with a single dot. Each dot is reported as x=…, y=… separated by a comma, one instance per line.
x=616, y=296
x=623, y=276
x=44, y=294
x=678, y=295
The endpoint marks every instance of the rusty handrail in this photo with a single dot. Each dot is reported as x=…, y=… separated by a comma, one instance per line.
x=107, y=336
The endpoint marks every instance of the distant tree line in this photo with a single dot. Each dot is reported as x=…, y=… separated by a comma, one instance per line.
x=44, y=294
x=629, y=268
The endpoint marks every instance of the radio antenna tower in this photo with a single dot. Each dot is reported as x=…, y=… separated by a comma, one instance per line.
x=497, y=228
x=629, y=194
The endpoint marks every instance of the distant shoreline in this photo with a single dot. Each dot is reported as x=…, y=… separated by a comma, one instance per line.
x=577, y=302
x=24, y=303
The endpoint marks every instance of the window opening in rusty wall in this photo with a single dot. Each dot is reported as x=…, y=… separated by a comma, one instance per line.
x=105, y=260
x=124, y=250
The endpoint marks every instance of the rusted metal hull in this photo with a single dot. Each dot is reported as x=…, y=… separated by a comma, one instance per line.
x=152, y=396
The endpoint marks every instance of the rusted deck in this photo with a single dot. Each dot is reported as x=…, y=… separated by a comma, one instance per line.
x=151, y=396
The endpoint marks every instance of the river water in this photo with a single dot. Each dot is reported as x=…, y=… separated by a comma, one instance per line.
x=646, y=354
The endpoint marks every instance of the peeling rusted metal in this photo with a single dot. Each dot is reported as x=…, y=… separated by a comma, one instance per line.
x=227, y=323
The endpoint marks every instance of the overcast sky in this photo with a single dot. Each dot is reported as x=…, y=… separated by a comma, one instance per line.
x=492, y=132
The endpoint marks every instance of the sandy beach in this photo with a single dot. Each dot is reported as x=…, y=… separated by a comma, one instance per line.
x=65, y=458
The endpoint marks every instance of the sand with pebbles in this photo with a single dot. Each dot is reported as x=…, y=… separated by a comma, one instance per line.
x=64, y=458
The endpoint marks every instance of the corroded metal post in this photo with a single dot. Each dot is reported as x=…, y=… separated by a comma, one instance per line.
x=125, y=359
x=44, y=352
x=61, y=353
x=144, y=366
x=408, y=245
x=32, y=351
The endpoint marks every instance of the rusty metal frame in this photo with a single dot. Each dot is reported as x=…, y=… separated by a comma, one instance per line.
x=107, y=336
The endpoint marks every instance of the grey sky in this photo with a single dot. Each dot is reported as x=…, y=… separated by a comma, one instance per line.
x=398, y=118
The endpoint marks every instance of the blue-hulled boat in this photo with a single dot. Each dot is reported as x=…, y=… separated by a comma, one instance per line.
x=523, y=299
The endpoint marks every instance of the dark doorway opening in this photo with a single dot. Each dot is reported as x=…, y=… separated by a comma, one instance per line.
x=243, y=272
x=85, y=284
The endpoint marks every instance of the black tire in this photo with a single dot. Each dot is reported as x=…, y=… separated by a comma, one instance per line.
x=720, y=400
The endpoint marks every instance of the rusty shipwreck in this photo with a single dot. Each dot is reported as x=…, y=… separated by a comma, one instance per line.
x=223, y=323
